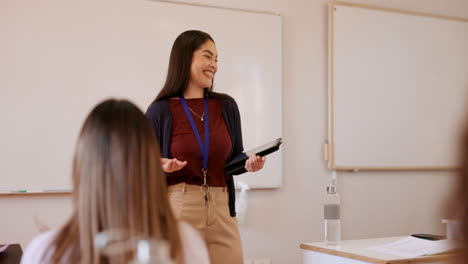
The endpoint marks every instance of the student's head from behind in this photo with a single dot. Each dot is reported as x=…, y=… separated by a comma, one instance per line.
x=117, y=179
x=116, y=170
x=193, y=61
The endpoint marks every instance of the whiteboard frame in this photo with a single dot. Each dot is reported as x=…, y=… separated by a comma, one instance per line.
x=218, y=7
x=329, y=147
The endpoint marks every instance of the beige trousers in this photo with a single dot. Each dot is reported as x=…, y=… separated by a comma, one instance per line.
x=211, y=218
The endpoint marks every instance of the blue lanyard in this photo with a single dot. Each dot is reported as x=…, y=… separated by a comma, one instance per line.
x=204, y=148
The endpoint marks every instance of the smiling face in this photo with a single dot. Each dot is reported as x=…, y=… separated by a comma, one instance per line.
x=204, y=66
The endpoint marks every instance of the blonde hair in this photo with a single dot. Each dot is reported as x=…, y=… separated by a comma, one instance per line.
x=117, y=184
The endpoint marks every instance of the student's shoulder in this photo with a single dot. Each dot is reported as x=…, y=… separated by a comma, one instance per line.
x=37, y=247
x=44, y=238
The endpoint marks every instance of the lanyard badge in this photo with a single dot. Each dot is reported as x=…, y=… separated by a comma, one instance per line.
x=204, y=148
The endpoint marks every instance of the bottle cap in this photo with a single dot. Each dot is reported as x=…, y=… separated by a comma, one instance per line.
x=331, y=189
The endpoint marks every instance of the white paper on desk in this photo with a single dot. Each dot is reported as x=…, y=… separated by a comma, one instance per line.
x=411, y=247
x=3, y=248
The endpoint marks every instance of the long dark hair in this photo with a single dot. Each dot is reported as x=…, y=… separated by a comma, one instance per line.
x=117, y=183
x=180, y=60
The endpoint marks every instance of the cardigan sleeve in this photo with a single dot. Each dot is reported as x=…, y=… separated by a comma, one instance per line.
x=158, y=114
x=153, y=117
x=236, y=131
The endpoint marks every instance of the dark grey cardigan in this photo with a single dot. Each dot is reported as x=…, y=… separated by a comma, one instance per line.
x=161, y=118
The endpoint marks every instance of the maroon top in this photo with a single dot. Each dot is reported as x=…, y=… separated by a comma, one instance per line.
x=184, y=146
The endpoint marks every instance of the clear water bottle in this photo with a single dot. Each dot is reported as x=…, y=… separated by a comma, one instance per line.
x=331, y=210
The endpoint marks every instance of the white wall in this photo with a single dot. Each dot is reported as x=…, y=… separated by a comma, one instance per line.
x=374, y=204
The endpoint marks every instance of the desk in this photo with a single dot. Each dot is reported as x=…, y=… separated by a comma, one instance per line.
x=355, y=252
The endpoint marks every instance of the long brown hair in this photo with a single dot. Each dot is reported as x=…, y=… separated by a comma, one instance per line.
x=180, y=60
x=117, y=184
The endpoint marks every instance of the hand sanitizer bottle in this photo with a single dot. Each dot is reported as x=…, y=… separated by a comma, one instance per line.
x=332, y=217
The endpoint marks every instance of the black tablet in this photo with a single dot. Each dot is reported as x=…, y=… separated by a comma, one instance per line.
x=236, y=165
x=266, y=149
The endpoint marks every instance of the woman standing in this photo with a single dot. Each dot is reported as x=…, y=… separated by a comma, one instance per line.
x=199, y=132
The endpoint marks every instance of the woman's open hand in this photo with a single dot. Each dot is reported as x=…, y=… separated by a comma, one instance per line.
x=171, y=165
x=255, y=163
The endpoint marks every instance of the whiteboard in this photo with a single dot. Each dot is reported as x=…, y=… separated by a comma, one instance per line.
x=398, y=88
x=60, y=58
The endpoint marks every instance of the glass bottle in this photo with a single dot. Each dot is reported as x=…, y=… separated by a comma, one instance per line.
x=331, y=211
